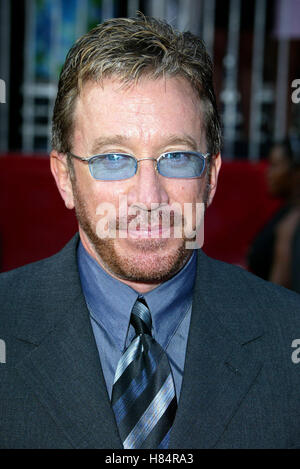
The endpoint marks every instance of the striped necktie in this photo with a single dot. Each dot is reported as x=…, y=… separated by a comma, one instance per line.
x=143, y=395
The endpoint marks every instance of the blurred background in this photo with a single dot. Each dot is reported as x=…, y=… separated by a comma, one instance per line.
x=255, y=47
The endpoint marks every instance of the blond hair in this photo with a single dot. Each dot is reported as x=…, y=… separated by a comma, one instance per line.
x=129, y=48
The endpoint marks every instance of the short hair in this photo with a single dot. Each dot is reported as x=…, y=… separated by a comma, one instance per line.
x=129, y=48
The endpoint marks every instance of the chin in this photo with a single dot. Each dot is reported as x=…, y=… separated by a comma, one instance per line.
x=140, y=259
x=145, y=260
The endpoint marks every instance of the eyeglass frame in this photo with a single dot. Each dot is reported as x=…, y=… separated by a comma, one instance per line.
x=91, y=158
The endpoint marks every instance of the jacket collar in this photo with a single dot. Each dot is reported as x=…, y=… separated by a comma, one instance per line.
x=63, y=370
x=219, y=368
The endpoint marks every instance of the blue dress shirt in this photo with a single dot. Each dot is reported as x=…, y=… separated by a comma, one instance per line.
x=110, y=302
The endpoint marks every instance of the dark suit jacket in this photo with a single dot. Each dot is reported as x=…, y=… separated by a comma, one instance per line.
x=241, y=388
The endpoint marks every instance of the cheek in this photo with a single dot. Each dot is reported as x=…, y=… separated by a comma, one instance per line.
x=95, y=191
x=191, y=191
x=107, y=199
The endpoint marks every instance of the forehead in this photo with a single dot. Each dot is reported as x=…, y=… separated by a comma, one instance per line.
x=148, y=110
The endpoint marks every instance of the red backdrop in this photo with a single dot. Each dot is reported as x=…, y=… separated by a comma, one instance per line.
x=34, y=222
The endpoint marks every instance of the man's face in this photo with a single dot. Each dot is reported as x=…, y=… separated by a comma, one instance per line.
x=143, y=120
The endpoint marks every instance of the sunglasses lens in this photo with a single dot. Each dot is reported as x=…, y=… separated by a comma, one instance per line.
x=181, y=165
x=113, y=167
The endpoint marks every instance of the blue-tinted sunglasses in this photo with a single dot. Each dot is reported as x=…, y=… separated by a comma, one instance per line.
x=118, y=166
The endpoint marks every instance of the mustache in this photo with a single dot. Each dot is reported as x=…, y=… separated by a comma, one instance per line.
x=152, y=218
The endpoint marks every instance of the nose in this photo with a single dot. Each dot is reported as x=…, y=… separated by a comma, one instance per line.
x=147, y=186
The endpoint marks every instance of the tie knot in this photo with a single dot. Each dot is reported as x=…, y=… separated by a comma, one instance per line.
x=141, y=318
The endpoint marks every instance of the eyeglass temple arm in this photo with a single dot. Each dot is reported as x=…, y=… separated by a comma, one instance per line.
x=77, y=157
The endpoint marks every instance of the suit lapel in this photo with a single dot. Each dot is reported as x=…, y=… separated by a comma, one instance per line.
x=63, y=371
x=65, y=374
x=218, y=372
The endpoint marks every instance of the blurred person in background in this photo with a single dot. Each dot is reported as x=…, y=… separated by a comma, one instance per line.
x=271, y=254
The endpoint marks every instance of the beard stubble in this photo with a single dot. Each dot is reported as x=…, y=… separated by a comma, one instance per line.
x=152, y=261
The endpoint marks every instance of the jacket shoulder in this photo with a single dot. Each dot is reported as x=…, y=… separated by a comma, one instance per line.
x=233, y=277
x=28, y=287
x=254, y=299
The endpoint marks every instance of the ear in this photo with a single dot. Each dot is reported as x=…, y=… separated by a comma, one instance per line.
x=214, y=174
x=61, y=174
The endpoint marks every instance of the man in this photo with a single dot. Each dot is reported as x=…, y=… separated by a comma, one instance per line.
x=128, y=338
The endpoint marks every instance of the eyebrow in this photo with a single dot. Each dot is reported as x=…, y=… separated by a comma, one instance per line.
x=101, y=142
x=184, y=140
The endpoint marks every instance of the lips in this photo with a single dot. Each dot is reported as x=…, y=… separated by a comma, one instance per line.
x=148, y=225
x=149, y=231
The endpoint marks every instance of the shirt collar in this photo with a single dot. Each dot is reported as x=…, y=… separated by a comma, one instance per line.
x=110, y=301
x=171, y=300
